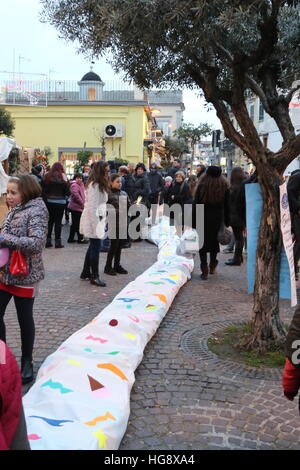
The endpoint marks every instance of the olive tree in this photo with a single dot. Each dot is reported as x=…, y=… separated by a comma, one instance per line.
x=225, y=48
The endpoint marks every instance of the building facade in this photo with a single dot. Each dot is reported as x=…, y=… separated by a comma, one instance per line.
x=69, y=116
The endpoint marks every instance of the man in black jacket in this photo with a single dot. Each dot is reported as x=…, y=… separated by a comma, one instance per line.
x=156, y=185
x=127, y=182
x=293, y=189
x=174, y=168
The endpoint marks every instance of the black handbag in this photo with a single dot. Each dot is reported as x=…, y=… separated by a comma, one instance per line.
x=224, y=235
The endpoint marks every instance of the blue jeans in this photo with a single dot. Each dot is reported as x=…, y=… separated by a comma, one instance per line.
x=94, y=248
x=91, y=261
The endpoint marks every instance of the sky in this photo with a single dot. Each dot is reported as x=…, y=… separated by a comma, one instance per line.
x=34, y=47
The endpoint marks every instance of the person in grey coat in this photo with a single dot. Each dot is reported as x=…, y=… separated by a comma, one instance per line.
x=25, y=229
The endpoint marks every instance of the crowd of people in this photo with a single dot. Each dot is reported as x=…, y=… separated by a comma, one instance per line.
x=38, y=202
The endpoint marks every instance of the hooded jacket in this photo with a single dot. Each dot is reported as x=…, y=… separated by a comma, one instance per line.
x=25, y=228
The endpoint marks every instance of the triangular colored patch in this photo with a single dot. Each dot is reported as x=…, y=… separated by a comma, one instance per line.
x=95, y=385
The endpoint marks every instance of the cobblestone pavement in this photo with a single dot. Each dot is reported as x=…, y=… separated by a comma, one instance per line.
x=184, y=397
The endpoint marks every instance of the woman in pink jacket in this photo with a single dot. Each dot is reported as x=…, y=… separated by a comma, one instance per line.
x=76, y=206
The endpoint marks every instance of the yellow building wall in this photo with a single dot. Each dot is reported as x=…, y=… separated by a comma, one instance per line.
x=72, y=126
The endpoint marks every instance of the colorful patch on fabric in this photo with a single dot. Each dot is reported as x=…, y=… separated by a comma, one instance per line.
x=158, y=272
x=102, y=393
x=56, y=385
x=102, y=438
x=134, y=290
x=128, y=306
x=156, y=283
x=174, y=276
x=151, y=307
x=114, y=369
x=100, y=419
x=112, y=353
x=127, y=300
x=150, y=316
x=134, y=318
x=94, y=384
x=101, y=340
x=62, y=348
x=129, y=336
x=53, y=422
x=113, y=322
x=33, y=437
x=169, y=280
x=74, y=363
x=161, y=297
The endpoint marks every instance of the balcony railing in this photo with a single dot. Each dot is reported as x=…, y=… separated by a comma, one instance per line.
x=43, y=92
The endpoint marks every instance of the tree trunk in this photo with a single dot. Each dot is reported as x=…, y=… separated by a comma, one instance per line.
x=267, y=327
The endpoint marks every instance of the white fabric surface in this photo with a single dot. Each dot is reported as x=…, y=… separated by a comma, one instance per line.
x=81, y=398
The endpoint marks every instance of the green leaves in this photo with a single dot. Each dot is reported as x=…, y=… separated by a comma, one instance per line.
x=7, y=124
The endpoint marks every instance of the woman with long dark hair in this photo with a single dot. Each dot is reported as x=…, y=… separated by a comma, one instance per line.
x=213, y=192
x=236, y=215
x=55, y=190
x=93, y=220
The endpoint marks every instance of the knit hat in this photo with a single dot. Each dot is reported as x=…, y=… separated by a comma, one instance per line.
x=214, y=171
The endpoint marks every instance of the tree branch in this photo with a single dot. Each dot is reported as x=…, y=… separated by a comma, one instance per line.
x=254, y=86
x=289, y=96
x=286, y=154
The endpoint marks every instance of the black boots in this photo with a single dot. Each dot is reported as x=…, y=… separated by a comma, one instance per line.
x=204, y=269
x=26, y=371
x=118, y=269
x=95, y=280
x=110, y=271
x=238, y=254
x=86, y=271
x=49, y=243
x=58, y=243
x=212, y=267
x=235, y=261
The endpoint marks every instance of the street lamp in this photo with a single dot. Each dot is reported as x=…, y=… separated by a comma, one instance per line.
x=155, y=110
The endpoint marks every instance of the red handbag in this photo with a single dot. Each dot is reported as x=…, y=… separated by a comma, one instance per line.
x=18, y=265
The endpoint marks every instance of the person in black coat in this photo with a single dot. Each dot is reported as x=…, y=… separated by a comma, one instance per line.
x=236, y=214
x=213, y=192
x=128, y=184
x=141, y=189
x=293, y=190
x=174, y=168
x=55, y=191
x=156, y=186
x=178, y=193
x=141, y=184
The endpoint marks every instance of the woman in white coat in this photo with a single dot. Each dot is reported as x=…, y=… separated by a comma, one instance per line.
x=93, y=220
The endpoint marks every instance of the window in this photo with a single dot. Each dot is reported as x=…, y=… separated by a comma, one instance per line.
x=91, y=94
x=261, y=111
x=164, y=126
